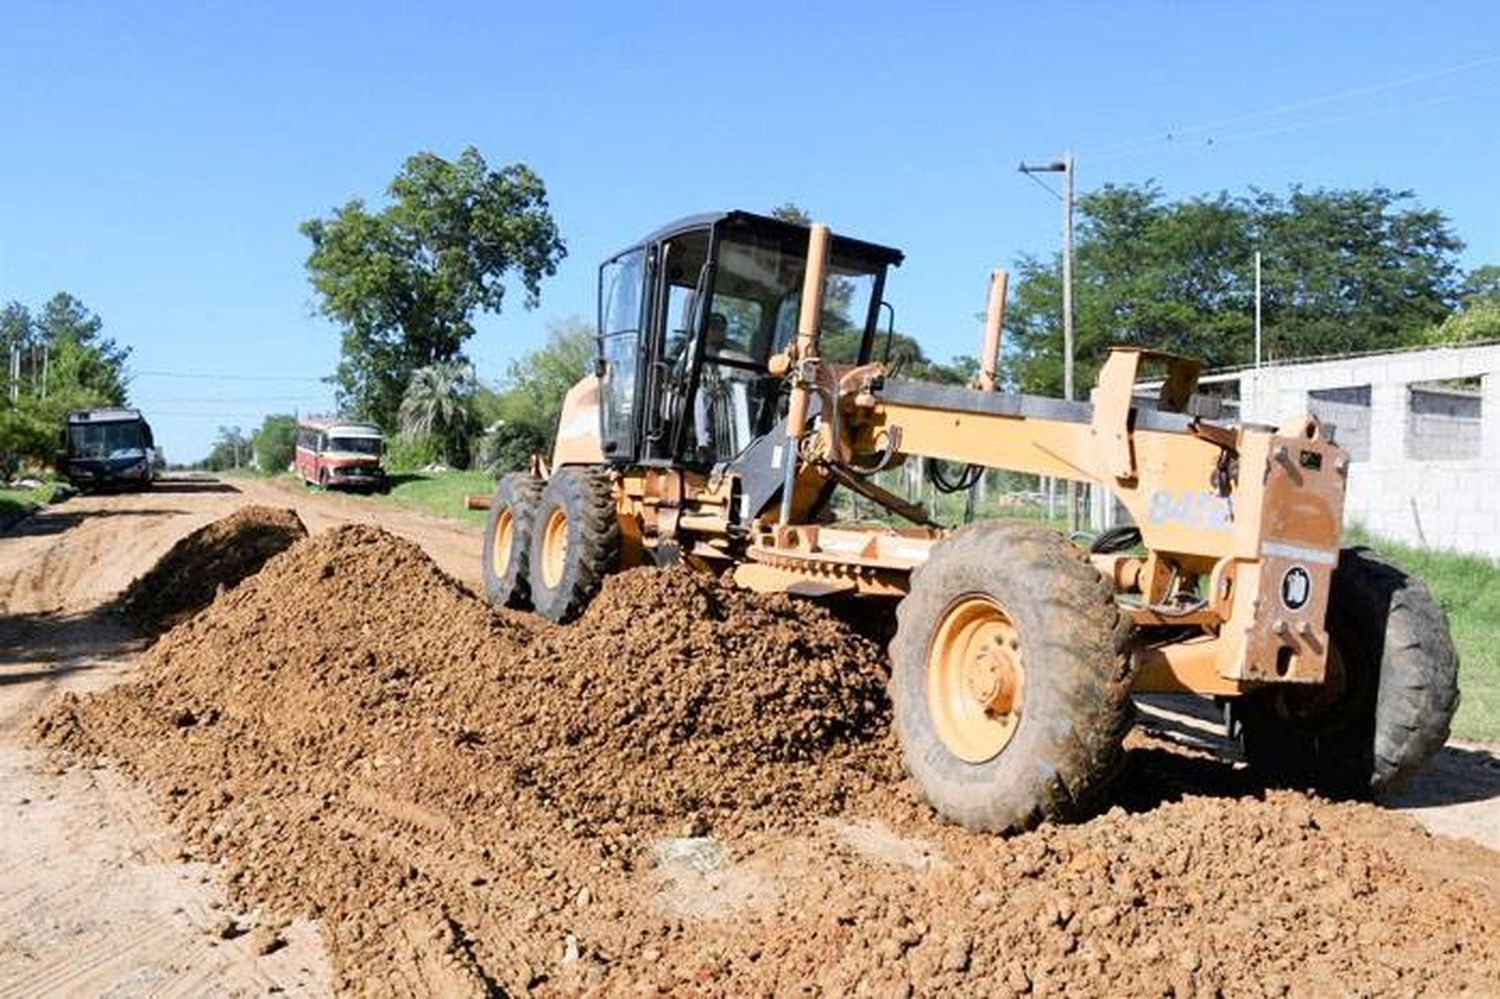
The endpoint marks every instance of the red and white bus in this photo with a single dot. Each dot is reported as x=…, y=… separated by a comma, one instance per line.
x=339, y=453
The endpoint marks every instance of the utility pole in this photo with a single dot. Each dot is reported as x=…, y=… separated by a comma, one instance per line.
x=1064, y=166
x=1257, y=309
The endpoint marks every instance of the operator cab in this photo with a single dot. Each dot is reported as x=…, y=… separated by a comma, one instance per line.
x=688, y=322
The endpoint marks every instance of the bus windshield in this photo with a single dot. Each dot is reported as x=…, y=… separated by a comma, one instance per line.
x=106, y=440
x=355, y=445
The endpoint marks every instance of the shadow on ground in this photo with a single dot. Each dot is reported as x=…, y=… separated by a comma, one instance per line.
x=63, y=642
x=55, y=521
x=191, y=486
x=1456, y=774
x=1180, y=749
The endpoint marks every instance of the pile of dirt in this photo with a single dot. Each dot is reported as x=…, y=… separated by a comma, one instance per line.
x=476, y=803
x=212, y=558
x=678, y=696
x=351, y=685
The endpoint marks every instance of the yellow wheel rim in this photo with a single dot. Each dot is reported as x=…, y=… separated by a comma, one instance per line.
x=554, y=548
x=505, y=536
x=975, y=679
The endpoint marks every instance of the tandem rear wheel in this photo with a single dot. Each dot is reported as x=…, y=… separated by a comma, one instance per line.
x=1010, y=678
x=507, y=540
x=548, y=545
x=1389, y=697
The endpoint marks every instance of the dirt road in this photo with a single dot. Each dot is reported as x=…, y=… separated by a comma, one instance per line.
x=94, y=897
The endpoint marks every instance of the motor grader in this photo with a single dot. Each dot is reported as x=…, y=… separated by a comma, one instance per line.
x=736, y=390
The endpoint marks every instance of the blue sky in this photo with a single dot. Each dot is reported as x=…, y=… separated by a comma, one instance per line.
x=158, y=157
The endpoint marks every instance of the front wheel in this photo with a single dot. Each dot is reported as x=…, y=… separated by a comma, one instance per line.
x=507, y=540
x=1010, y=678
x=575, y=542
x=1387, y=701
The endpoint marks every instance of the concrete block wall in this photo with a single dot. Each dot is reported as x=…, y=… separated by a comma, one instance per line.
x=1427, y=474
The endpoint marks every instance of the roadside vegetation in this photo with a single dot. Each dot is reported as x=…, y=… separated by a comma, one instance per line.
x=440, y=493
x=1468, y=588
x=17, y=503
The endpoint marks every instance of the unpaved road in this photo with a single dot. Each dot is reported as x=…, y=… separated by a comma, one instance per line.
x=93, y=899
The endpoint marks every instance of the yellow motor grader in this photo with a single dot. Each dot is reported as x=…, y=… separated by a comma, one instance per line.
x=735, y=391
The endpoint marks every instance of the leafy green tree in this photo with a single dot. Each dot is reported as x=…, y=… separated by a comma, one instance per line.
x=535, y=384
x=789, y=212
x=508, y=447
x=275, y=443
x=78, y=356
x=406, y=281
x=439, y=406
x=1481, y=285
x=1342, y=271
x=65, y=363
x=231, y=450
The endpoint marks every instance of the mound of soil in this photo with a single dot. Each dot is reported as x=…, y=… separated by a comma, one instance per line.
x=476, y=804
x=212, y=558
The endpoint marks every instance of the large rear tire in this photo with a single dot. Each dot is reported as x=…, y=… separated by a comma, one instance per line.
x=1390, y=695
x=1010, y=678
x=507, y=540
x=575, y=542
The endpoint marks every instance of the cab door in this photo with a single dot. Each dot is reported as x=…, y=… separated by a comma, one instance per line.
x=622, y=282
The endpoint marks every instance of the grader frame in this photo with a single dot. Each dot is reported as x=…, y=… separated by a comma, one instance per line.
x=1230, y=589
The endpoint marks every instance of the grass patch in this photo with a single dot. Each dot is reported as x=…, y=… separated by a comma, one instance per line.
x=440, y=493
x=17, y=503
x=1468, y=588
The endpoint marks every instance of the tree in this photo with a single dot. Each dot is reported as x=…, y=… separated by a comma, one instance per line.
x=789, y=212
x=508, y=447
x=275, y=443
x=64, y=363
x=1481, y=285
x=439, y=406
x=535, y=384
x=1342, y=271
x=230, y=450
x=406, y=281
x=76, y=355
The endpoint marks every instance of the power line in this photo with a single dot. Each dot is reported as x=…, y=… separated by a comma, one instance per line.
x=175, y=401
x=223, y=377
x=1136, y=145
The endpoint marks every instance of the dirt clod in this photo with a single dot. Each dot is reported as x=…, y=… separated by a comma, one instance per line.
x=660, y=797
x=213, y=558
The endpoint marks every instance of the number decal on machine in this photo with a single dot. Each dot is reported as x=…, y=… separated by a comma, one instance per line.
x=1206, y=511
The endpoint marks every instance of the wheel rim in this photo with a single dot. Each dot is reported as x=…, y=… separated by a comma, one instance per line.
x=554, y=548
x=975, y=679
x=505, y=529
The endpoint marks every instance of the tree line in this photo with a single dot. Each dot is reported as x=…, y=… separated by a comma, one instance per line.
x=1343, y=271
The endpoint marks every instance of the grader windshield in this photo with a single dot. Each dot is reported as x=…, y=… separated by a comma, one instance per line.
x=690, y=319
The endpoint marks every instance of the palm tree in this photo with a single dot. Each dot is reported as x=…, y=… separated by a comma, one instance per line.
x=439, y=404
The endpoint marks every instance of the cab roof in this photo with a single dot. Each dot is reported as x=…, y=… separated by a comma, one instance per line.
x=844, y=246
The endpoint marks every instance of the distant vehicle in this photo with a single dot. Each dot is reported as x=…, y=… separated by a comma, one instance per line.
x=339, y=453
x=105, y=448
